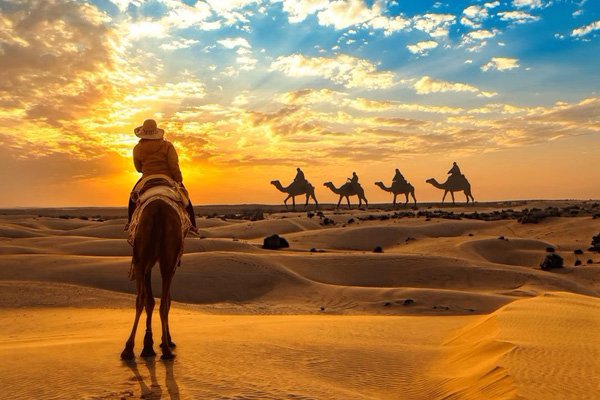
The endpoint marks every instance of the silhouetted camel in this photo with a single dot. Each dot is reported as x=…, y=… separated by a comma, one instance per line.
x=347, y=190
x=158, y=239
x=453, y=184
x=399, y=187
x=295, y=189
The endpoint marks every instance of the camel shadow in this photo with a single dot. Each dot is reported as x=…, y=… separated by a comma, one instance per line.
x=150, y=388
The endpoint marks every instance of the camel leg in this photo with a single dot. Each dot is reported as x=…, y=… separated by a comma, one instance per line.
x=170, y=341
x=294, y=203
x=338, y=204
x=452, y=194
x=444, y=197
x=307, y=198
x=286, y=200
x=413, y=196
x=394, y=204
x=406, y=201
x=148, y=350
x=164, y=315
x=127, y=353
x=316, y=202
x=348, y=200
x=471, y=195
x=366, y=203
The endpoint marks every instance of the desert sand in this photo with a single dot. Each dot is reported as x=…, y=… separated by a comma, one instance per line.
x=453, y=308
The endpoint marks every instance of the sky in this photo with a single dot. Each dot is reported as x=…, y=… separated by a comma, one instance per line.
x=248, y=90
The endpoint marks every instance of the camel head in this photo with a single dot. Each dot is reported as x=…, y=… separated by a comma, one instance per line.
x=430, y=181
x=275, y=182
x=328, y=184
x=379, y=183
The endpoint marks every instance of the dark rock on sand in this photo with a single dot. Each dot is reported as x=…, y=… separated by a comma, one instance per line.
x=551, y=261
x=275, y=242
x=595, y=243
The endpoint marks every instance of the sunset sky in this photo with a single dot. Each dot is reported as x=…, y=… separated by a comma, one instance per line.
x=249, y=90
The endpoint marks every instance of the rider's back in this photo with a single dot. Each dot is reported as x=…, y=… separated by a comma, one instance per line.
x=153, y=157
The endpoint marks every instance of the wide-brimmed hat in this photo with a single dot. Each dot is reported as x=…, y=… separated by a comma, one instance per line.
x=149, y=130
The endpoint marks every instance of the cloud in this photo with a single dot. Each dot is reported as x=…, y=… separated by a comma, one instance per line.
x=531, y=4
x=245, y=60
x=427, y=85
x=501, y=64
x=344, y=13
x=310, y=97
x=349, y=71
x=477, y=39
x=389, y=25
x=298, y=10
x=232, y=43
x=181, y=15
x=585, y=30
x=123, y=5
x=146, y=29
x=232, y=11
x=51, y=70
x=341, y=14
x=517, y=17
x=436, y=25
x=422, y=48
x=179, y=44
x=474, y=15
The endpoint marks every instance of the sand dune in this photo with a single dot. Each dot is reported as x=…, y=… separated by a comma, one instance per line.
x=450, y=309
x=542, y=348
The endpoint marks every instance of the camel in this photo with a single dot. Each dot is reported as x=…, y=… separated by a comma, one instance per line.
x=294, y=190
x=158, y=239
x=347, y=190
x=454, y=184
x=399, y=187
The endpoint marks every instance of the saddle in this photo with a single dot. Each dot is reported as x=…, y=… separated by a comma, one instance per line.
x=159, y=185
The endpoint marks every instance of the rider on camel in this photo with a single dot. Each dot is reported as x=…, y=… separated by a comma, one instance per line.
x=398, y=177
x=299, y=179
x=455, y=170
x=454, y=173
x=354, y=181
x=154, y=155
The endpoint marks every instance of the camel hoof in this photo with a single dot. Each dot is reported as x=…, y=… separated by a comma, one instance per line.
x=167, y=356
x=149, y=352
x=172, y=345
x=127, y=354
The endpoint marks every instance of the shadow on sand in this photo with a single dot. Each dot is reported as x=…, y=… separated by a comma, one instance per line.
x=150, y=387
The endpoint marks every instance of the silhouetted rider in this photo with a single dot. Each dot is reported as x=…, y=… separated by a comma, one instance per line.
x=398, y=177
x=455, y=170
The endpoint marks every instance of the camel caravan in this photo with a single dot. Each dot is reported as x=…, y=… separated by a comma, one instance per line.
x=456, y=182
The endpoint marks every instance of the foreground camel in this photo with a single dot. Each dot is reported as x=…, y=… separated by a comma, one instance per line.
x=158, y=239
x=347, y=190
x=397, y=188
x=294, y=190
x=454, y=184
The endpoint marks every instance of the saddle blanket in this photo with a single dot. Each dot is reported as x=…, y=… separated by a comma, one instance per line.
x=135, y=220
